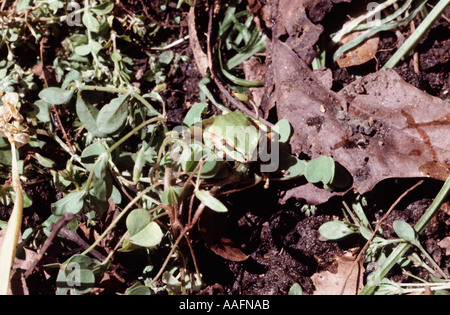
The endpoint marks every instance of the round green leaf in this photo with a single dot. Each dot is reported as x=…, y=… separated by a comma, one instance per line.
x=320, y=169
x=137, y=220
x=283, y=128
x=211, y=202
x=71, y=203
x=150, y=236
x=83, y=50
x=55, y=95
x=335, y=230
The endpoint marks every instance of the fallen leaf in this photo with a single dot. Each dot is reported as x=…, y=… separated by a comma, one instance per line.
x=199, y=56
x=360, y=54
x=296, y=30
x=226, y=248
x=390, y=129
x=328, y=283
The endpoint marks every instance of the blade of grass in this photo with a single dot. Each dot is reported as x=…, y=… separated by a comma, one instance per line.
x=385, y=26
x=415, y=37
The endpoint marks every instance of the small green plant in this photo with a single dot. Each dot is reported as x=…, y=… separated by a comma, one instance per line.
x=120, y=152
x=386, y=253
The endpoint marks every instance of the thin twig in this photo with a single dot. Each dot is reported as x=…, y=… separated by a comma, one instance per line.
x=66, y=218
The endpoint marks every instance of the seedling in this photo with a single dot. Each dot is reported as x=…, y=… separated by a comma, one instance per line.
x=407, y=233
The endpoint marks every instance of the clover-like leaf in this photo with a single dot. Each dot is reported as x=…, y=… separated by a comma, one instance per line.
x=335, y=230
x=112, y=116
x=320, y=169
x=88, y=116
x=71, y=203
x=56, y=96
x=143, y=232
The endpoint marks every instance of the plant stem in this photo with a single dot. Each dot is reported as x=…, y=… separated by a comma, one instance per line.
x=415, y=37
x=11, y=238
x=401, y=249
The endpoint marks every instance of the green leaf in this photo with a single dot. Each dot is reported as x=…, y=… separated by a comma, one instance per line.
x=294, y=166
x=45, y=162
x=72, y=76
x=71, y=203
x=91, y=153
x=23, y=5
x=195, y=113
x=150, y=236
x=170, y=195
x=335, y=230
x=283, y=128
x=320, y=169
x=103, y=8
x=166, y=57
x=56, y=96
x=296, y=289
x=143, y=232
x=83, y=50
x=405, y=231
x=42, y=110
x=112, y=116
x=88, y=114
x=137, y=220
x=90, y=21
x=102, y=186
x=138, y=289
x=211, y=202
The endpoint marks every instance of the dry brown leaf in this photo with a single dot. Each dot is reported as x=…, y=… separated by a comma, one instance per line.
x=360, y=54
x=225, y=248
x=390, y=130
x=199, y=56
x=296, y=30
x=328, y=283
